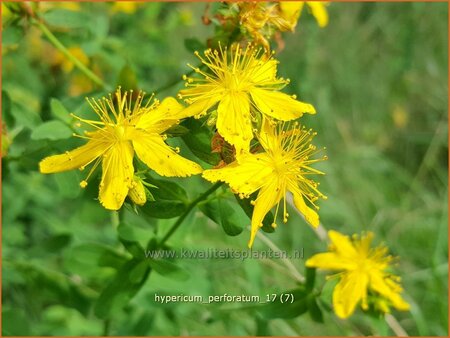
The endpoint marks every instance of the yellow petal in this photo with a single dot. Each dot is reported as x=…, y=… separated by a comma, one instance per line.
x=291, y=10
x=279, y=105
x=201, y=106
x=162, y=117
x=268, y=197
x=263, y=70
x=76, y=158
x=342, y=244
x=330, y=261
x=390, y=292
x=268, y=137
x=310, y=215
x=233, y=120
x=319, y=11
x=348, y=292
x=245, y=176
x=363, y=244
x=117, y=175
x=157, y=155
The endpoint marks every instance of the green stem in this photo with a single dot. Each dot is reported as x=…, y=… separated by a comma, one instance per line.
x=191, y=206
x=115, y=219
x=54, y=40
x=106, y=327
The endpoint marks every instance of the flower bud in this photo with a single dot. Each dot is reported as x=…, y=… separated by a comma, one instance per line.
x=137, y=192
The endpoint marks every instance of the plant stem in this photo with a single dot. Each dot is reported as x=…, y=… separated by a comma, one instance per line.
x=106, y=326
x=54, y=40
x=191, y=206
x=115, y=219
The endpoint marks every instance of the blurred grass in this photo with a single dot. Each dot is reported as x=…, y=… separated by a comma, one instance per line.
x=377, y=76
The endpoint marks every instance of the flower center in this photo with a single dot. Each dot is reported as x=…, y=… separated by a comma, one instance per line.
x=121, y=132
x=281, y=164
x=233, y=82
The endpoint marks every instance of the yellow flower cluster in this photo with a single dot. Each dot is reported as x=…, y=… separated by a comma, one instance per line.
x=243, y=87
x=240, y=91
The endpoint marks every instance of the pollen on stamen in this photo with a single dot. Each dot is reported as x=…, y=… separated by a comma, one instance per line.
x=83, y=184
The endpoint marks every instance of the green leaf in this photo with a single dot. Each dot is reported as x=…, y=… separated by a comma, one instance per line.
x=7, y=115
x=314, y=310
x=198, y=140
x=138, y=271
x=91, y=256
x=68, y=183
x=99, y=27
x=222, y=213
x=194, y=44
x=64, y=18
x=56, y=286
x=132, y=233
x=248, y=209
x=130, y=238
x=127, y=78
x=57, y=242
x=121, y=289
x=59, y=111
x=12, y=35
x=15, y=323
x=168, y=269
x=310, y=278
x=170, y=200
x=176, y=130
x=52, y=130
x=167, y=190
x=279, y=309
x=262, y=327
x=164, y=209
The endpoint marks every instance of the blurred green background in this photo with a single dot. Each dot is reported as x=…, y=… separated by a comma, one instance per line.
x=377, y=75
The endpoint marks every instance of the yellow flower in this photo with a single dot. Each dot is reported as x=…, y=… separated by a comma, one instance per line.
x=123, y=130
x=283, y=166
x=236, y=82
x=291, y=11
x=363, y=269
